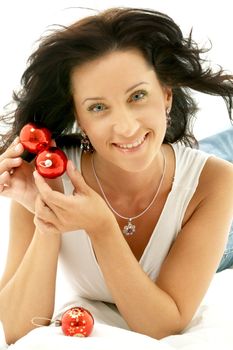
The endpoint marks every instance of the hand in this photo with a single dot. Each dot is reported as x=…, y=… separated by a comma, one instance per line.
x=16, y=177
x=16, y=180
x=59, y=213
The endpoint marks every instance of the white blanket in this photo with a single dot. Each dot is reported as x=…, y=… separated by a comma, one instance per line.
x=211, y=327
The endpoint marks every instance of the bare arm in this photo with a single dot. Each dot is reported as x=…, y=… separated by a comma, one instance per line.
x=28, y=283
x=147, y=308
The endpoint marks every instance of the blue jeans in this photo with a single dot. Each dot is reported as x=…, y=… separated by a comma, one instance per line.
x=221, y=145
x=227, y=258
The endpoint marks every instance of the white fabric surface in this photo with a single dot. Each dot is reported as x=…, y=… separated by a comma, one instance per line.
x=210, y=329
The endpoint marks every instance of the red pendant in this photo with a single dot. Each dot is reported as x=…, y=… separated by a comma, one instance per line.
x=34, y=139
x=77, y=322
x=51, y=162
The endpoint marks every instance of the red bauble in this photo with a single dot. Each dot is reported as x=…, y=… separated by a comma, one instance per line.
x=51, y=162
x=34, y=139
x=77, y=322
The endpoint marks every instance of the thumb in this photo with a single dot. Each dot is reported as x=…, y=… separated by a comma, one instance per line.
x=76, y=178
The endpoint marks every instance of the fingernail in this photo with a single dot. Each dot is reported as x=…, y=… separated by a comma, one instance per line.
x=35, y=174
x=16, y=160
x=16, y=140
x=18, y=147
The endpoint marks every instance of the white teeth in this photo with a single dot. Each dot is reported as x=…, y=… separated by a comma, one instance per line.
x=132, y=145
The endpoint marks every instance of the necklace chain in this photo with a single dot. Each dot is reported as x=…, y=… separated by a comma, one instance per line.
x=130, y=228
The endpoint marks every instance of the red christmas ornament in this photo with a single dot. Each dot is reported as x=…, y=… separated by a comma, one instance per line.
x=77, y=322
x=34, y=139
x=51, y=162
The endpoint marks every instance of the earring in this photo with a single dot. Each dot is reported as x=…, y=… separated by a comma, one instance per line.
x=86, y=145
x=169, y=119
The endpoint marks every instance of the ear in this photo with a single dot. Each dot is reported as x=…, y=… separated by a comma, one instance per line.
x=76, y=117
x=168, y=96
x=78, y=123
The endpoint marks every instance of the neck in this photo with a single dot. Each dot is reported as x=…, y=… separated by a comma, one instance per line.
x=118, y=183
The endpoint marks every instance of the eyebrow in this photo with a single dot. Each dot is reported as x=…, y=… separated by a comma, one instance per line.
x=128, y=90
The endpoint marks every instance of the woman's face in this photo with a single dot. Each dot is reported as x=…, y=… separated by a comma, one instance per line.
x=121, y=106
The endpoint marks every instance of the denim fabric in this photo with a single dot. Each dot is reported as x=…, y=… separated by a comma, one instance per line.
x=221, y=145
x=227, y=259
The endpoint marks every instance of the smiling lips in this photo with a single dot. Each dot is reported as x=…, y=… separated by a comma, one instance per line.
x=130, y=146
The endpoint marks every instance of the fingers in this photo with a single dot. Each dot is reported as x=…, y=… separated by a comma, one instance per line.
x=49, y=196
x=76, y=178
x=44, y=219
x=43, y=211
x=2, y=188
x=4, y=180
x=45, y=227
x=55, y=199
x=6, y=171
x=11, y=157
x=15, y=149
x=15, y=141
x=9, y=163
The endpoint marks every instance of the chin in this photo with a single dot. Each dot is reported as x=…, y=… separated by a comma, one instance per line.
x=137, y=165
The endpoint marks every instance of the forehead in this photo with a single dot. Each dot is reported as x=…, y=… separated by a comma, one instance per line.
x=118, y=67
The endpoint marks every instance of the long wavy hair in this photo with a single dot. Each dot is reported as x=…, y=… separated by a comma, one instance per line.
x=45, y=96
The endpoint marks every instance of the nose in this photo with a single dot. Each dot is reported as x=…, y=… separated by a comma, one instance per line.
x=125, y=123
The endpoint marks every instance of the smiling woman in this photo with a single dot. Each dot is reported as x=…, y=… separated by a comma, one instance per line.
x=132, y=218
x=123, y=120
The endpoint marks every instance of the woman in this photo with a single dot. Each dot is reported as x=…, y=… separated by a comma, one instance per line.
x=139, y=219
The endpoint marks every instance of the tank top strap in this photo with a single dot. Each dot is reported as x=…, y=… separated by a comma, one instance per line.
x=189, y=165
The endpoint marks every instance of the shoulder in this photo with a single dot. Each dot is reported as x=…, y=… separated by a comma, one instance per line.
x=186, y=156
x=217, y=175
x=209, y=178
x=215, y=193
x=215, y=186
x=189, y=163
x=210, y=167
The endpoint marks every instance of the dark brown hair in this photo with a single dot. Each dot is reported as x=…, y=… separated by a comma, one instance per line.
x=45, y=96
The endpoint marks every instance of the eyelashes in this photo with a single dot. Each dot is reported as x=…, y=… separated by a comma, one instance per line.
x=141, y=95
x=136, y=97
x=96, y=106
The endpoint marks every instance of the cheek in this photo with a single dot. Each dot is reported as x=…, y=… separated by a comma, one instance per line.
x=97, y=133
x=154, y=115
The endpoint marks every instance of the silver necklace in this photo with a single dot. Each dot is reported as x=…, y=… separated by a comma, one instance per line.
x=130, y=228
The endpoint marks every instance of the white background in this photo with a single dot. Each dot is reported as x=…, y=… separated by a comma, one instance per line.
x=23, y=21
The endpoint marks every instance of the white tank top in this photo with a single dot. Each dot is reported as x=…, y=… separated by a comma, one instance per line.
x=77, y=258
